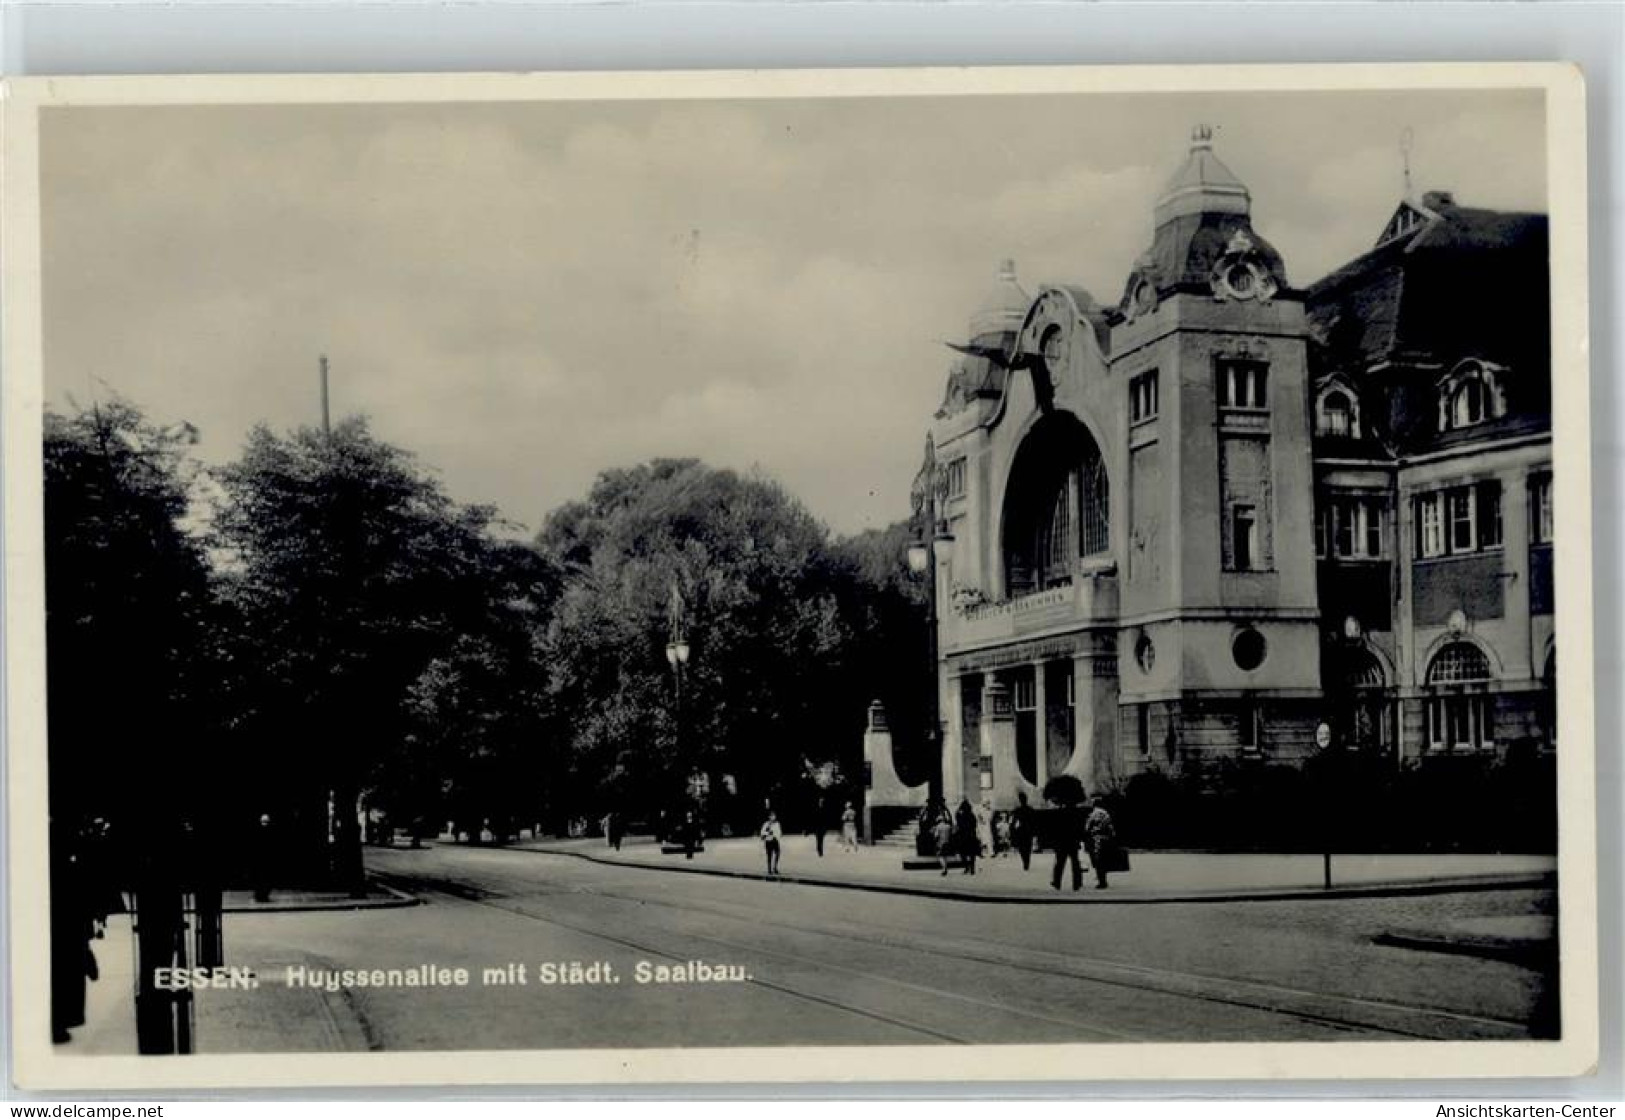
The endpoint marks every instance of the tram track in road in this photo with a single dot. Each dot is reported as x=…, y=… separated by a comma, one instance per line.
x=480, y=897
x=1354, y=1013
x=1371, y=1018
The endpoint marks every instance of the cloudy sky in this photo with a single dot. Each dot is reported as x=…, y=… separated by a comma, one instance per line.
x=526, y=294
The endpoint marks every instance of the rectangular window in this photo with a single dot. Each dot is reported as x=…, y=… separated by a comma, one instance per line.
x=1247, y=725
x=956, y=478
x=1459, y=520
x=1429, y=526
x=1026, y=694
x=1352, y=527
x=1244, y=528
x=1242, y=383
x=1540, y=510
x=1142, y=394
x=1459, y=517
x=1489, y=514
x=1323, y=529
x=1461, y=723
x=1346, y=516
x=1144, y=729
x=1373, y=528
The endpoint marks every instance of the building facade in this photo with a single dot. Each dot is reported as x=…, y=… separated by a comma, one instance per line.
x=1206, y=519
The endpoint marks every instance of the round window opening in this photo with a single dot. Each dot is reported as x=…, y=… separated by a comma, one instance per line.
x=1145, y=653
x=1248, y=648
x=1240, y=278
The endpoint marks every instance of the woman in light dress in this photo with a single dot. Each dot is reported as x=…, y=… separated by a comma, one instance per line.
x=849, y=828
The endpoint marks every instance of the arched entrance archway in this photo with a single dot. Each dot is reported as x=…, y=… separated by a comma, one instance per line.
x=1057, y=505
x=1359, y=689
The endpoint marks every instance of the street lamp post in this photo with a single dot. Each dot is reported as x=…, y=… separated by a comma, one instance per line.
x=924, y=555
x=677, y=651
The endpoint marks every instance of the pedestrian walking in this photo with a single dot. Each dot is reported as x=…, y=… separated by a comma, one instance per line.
x=1021, y=831
x=691, y=834
x=965, y=835
x=849, y=828
x=984, y=828
x=820, y=824
x=614, y=829
x=942, y=837
x=1001, y=835
x=1100, y=837
x=772, y=834
x=1066, y=835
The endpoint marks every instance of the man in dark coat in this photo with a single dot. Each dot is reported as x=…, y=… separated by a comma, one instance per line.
x=1021, y=830
x=1066, y=835
x=965, y=838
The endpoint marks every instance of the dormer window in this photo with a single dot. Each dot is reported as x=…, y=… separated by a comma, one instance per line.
x=1472, y=394
x=1336, y=414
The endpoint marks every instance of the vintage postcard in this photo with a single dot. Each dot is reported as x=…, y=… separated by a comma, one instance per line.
x=1020, y=575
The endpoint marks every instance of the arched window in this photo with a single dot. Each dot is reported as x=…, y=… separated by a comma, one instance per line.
x=1336, y=414
x=1361, y=669
x=1461, y=715
x=1472, y=394
x=1096, y=506
x=1467, y=404
x=1056, y=505
x=1458, y=663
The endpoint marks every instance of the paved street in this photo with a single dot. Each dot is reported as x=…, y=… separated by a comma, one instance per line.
x=824, y=965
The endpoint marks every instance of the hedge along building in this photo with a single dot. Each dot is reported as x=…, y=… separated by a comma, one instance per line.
x=1180, y=525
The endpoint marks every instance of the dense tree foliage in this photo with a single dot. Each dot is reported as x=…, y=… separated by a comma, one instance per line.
x=747, y=576
x=354, y=578
x=339, y=632
x=129, y=632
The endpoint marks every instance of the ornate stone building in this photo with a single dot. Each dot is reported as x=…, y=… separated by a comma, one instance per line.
x=1205, y=519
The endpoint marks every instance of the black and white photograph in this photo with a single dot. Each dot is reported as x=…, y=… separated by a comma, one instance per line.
x=678, y=578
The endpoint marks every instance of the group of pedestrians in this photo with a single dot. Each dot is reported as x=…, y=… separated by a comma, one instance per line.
x=772, y=834
x=974, y=832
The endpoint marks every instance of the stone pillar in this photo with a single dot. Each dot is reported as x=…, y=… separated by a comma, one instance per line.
x=1000, y=776
x=953, y=741
x=883, y=788
x=1094, y=696
x=1041, y=727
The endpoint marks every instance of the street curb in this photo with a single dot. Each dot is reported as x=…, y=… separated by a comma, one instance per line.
x=1518, y=951
x=1400, y=888
x=399, y=900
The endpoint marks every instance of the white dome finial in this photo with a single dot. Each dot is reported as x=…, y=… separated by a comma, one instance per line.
x=1201, y=137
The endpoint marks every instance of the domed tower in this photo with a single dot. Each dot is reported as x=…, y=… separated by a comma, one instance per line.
x=979, y=372
x=1219, y=644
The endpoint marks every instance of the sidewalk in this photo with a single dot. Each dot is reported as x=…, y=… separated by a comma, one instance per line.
x=1157, y=877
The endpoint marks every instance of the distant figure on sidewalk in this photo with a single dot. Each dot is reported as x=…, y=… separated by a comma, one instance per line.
x=965, y=838
x=984, y=828
x=614, y=829
x=262, y=858
x=1067, y=835
x=1100, y=837
x=942, y=837
x=820, y=823
x=772, y=834
x=691, y=834
x=1001, y=835
x=849, y=828
x=1021, y=831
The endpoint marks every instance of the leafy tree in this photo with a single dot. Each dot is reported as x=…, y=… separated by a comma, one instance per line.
x=756, y=597
x=351, y=572
x=128, y=617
